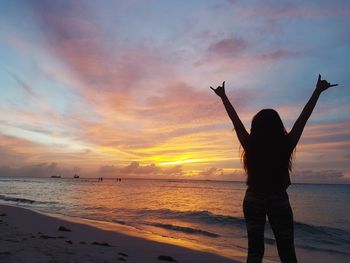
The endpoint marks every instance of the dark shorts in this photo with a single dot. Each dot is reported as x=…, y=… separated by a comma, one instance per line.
x=276, y=207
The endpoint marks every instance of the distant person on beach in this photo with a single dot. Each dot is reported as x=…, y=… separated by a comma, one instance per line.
x=267, y=158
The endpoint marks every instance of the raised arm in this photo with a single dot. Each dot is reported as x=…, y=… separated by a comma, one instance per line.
x=299, y=125
x=241, y=132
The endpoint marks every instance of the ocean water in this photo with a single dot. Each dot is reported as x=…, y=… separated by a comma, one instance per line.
x=200, y=212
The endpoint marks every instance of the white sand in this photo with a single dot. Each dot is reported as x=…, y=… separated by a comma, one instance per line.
x=27, y=236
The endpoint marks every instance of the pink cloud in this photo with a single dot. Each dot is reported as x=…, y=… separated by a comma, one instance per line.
x=228, y=47
x=134, y=102
x=179, y=102
x=135, y=169
x=276, y=55
x=236, y=55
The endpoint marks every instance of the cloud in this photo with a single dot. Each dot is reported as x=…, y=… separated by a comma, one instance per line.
x=328, y=132
x=14, y=151
x=181, y=105
x=175, y=171
x=323, y=176
x=227, y=47
x=110, y=71
x=140, y=100
x=236, y=54
x=211, y=172
x=214, y=173
x=135, y=169
x=276, y=55
x=174, y=112
x=22, y=84
x=108, y=169
x=100, y=88
x=180, y=102
x=37, y=170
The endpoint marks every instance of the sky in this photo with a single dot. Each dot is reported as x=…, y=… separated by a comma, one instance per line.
x=121, y=88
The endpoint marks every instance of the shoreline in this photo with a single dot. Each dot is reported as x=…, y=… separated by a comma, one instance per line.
x=173, y=179
x=30, y=236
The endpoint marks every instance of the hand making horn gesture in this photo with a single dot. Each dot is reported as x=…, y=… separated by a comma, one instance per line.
x=220, y=90
x=322, y=85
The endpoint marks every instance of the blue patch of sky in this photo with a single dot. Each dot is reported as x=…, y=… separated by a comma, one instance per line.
x=154, y=21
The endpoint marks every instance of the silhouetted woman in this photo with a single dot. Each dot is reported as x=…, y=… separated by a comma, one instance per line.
x=267, y=160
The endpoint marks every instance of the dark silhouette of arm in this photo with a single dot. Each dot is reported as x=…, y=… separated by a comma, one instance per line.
x=241, y=132
x=299, y=125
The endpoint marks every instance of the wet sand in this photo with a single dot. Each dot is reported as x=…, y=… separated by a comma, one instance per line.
x=28, y=236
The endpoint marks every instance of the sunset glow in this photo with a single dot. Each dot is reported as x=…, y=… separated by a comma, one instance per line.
x=121, y=88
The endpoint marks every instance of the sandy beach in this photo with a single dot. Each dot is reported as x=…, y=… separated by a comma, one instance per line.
x=28, y=236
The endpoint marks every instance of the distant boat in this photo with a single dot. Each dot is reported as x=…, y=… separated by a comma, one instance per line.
x=55, y=176
x=76, y=176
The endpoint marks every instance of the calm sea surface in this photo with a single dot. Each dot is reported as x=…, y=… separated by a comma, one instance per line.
x=203, y=212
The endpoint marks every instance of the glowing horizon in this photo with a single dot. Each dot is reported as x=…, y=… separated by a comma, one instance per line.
x=122, y=88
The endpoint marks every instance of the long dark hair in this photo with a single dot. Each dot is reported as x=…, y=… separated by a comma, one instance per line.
x=268, y=147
